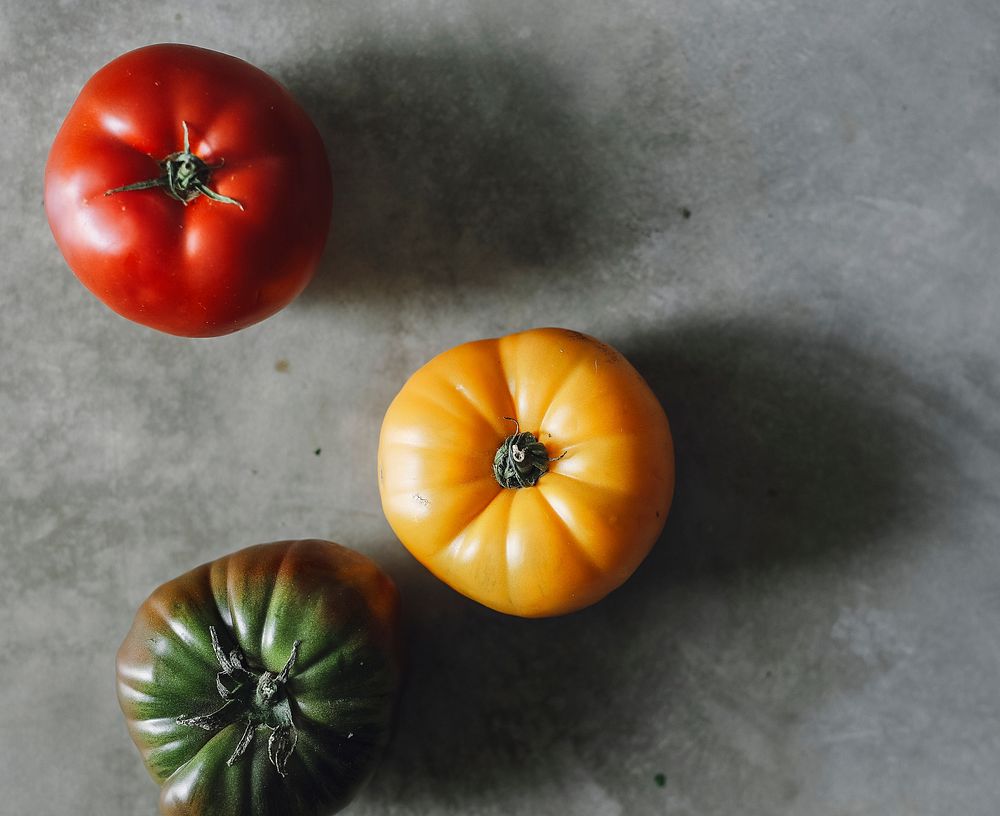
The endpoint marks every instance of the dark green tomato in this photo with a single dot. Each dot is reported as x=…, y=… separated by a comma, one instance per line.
x=264, y=683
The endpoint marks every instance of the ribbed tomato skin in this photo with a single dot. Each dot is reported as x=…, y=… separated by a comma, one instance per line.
x=586, y=525
x=261, y=599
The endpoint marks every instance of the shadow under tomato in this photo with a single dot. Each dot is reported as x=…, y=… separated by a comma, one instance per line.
x=473, y=162
x=790, y=454
x=789, y=447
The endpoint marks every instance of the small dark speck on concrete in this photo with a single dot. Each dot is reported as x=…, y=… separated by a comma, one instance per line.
x=685, y=213
x=254, y=471
x=771, y=492
x=318, y=451
x=660, y=780
x=768, y=674
x=178, y=17
x=282, y=366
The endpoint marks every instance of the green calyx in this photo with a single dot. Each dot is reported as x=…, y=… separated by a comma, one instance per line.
x=254, y=699
x=185, y=177
x=521, y=460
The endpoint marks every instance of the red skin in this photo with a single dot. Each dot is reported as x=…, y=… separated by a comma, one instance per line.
x=208, y=268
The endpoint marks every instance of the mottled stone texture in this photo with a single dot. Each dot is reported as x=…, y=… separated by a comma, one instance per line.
x=787, y=214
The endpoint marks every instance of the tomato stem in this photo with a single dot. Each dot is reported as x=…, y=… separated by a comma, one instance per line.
x=185, y=177
x=257, y=700
x=521, y=460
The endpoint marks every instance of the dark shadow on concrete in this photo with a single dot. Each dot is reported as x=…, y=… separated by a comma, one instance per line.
x=488, y=697
x=790, y=453
x=789, y=446
x=472, y=164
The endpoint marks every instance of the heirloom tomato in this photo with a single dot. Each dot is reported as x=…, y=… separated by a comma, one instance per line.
x=188, y=191
x=263, y=683
x=532, y=473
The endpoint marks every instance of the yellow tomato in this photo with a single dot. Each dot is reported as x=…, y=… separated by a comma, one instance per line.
x=532, y=472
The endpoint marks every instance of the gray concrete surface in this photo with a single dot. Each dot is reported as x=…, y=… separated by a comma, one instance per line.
x=786, y=212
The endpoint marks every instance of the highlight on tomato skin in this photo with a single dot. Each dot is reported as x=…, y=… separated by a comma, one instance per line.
x=532, y=473
x=264, y=683
x=189, y=191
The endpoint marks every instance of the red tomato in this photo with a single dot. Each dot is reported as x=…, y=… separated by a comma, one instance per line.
x=234, y=224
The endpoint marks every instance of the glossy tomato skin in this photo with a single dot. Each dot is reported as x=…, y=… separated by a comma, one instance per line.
x=342, y=688
x=207, y=268
x=587, y=523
